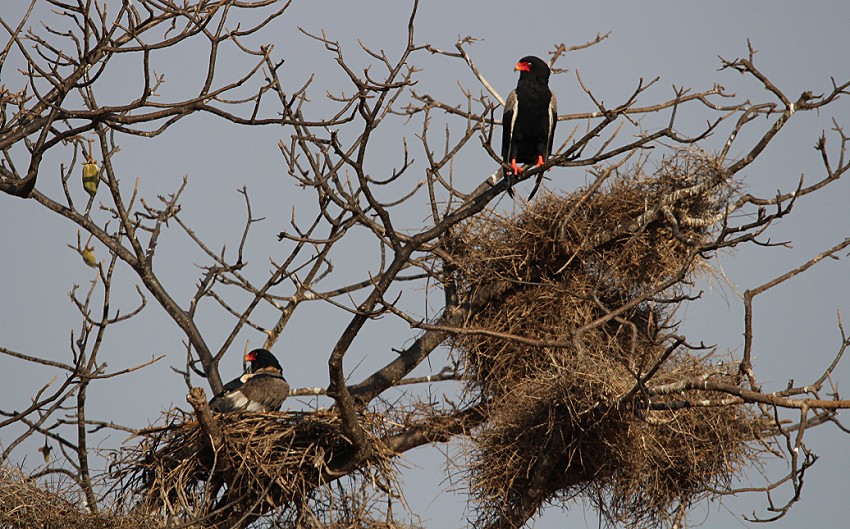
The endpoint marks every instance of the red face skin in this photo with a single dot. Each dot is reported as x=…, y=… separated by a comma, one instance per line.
x=249, y=357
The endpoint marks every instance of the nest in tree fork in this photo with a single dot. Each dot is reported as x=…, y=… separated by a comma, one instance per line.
x=266, y=462
x=577, y=416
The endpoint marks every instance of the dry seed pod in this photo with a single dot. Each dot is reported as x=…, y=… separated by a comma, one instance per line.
x=88, y=257
x=91, y=177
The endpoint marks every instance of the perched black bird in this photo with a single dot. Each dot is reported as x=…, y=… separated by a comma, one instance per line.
x=262, y=388
x=528, y=124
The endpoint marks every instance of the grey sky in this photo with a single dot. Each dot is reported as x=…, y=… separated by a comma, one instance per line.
x=800, y=47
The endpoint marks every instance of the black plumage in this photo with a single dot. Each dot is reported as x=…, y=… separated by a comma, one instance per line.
x=528, y=123
x=262, y=388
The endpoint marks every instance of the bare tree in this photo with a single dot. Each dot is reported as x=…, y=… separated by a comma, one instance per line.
x=559, y=321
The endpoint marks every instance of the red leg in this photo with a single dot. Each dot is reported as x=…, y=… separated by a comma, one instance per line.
x=515, y=167
x=540, y=160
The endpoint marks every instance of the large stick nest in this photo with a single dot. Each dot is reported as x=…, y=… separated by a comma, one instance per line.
x=576, y=417
x=266, y=463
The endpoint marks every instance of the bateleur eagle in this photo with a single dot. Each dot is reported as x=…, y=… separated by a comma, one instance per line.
x=528, y=123
x=262, y=388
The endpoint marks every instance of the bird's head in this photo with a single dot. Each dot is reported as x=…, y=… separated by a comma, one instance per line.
x=262, y=360
x=534, y=66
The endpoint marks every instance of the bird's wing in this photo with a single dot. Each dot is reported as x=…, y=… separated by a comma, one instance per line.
x=226, y=400
x=265, y=392
x=235, y=383
x=508, y=120
x=553, y=121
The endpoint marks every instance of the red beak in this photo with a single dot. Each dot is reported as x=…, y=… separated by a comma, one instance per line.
x=522, y=67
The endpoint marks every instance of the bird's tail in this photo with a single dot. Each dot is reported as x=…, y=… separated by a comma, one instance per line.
x=536, y=186
x=510, y=179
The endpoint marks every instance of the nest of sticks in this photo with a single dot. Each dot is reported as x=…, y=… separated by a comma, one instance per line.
x=266, y=463
x=576, y=408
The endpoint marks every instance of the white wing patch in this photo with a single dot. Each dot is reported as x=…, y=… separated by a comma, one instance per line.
x=513, y=105
x=255, y=406
x=553, y=120
x=553, y=112
x=238, y=400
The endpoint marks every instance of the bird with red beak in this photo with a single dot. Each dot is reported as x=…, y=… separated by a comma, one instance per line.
x=529, y=119
x=262, y=388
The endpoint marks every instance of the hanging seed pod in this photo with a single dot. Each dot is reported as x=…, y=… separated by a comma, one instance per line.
x=91, y=177
x=45, y=451
x=88, y=257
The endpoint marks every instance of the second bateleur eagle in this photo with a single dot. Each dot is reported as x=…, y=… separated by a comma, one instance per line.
x=528, y=123
x=261, y=389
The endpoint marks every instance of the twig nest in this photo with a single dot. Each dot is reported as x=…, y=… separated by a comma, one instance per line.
x=265, y=462
x=590, y=284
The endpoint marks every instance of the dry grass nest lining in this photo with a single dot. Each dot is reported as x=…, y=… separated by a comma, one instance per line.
x=268, y=461
x=25, y=504
x=563, y=262
x=634, y=464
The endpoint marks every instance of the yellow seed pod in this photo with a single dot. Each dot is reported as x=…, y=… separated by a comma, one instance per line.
x=45, y=452
x=90, y=177
x=88, y=257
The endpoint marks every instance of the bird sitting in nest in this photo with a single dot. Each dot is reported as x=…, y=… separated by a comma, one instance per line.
x=528, y=123
x=262, y=388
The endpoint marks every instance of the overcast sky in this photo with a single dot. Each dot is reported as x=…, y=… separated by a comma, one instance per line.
x=800, y=47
